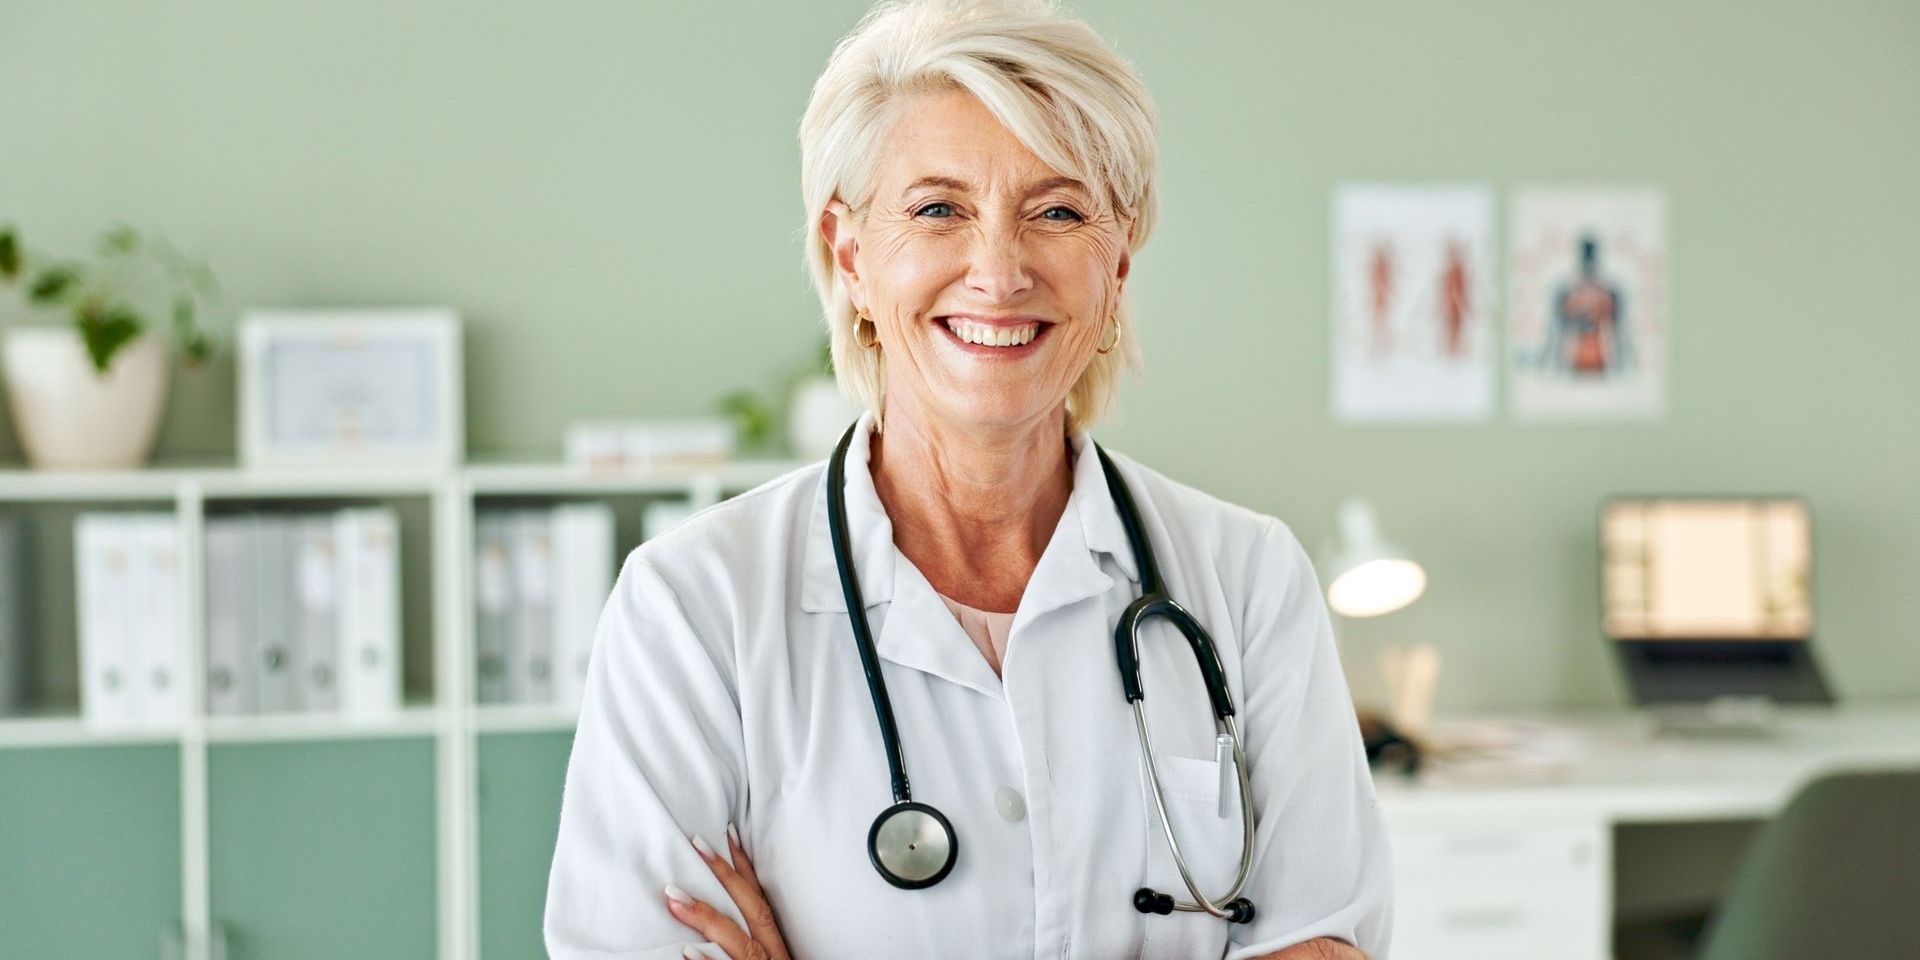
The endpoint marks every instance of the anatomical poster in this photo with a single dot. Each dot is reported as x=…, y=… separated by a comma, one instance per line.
x=1587, y=325
x=1412, y=326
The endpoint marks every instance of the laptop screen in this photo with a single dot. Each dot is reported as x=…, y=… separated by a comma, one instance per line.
x=1706, y=569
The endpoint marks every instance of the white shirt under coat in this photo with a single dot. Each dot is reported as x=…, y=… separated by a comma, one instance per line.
x=725, y=686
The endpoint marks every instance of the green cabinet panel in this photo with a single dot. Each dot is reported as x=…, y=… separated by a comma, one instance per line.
x=89, y=850
x=520, y=776
x=324, y=850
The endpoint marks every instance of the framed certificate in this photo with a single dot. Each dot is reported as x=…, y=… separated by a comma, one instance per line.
x=333, y=388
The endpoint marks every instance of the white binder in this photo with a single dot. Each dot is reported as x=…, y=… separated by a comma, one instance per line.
x=368, y=544
x=275, y=642
x=159, y=655
x=13, y=615
x=530, y=658
x=103, y=578
x=316, y=604
x=582, y=579
x=493, y=606
x=229, y=614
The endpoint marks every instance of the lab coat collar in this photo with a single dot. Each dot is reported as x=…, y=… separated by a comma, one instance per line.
x=918, y=630
x=1099, y=517
x=871, y=532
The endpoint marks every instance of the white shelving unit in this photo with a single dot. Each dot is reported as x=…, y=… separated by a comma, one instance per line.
x=450, y=717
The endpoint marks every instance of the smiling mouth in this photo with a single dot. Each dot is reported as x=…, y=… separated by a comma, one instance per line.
x=1000, y=336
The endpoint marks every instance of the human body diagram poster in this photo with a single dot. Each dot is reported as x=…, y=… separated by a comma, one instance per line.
x=1587, y=329
x=1412, y=326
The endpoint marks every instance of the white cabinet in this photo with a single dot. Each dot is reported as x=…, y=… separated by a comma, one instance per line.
x=1491, y=887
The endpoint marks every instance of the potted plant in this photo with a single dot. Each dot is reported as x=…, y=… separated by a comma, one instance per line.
x=88, y=392
x=816, y=412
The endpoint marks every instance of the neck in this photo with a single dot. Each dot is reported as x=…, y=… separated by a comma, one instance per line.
x=972, y=508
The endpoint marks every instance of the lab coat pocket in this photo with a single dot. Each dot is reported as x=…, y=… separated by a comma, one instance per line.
x=1209, y=842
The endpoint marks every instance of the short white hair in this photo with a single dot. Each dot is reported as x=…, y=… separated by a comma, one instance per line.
x=1049, y=78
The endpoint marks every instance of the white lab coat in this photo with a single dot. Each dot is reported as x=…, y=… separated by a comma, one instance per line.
x=725, y=686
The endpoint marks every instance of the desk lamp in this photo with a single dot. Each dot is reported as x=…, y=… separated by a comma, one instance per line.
x=1369, y=575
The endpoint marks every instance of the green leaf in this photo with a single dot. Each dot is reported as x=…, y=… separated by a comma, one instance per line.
x=52, y=284
x=119, y=240
x=182, y=316
x=751, y=414
x=105, y=330
x=198, y=349
x=9, y=252
x=194, y=343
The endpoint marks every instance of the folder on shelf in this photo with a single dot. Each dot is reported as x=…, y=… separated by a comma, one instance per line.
x=368, y=552
x=274, y=640
x=159, y=656
x=14, y=595
x=230, y=579
x=582, y=578
x=530, y=660
x=103, y=578
x=316, y=602
x=493, y=606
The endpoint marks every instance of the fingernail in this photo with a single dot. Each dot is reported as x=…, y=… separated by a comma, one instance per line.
x=734, y=835
x=692, y=954
x=701, y=845
x=679, y=896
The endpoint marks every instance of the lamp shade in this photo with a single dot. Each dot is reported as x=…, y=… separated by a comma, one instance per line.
x=1369, y=575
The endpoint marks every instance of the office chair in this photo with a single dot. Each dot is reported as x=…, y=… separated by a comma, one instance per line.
x=1837, y=874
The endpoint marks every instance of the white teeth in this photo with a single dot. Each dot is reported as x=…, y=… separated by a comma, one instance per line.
x=993, y=336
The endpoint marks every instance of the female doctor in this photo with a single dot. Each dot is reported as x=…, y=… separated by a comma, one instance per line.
x=977, y=177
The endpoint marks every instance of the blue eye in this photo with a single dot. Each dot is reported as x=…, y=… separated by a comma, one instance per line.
x=933, y=206
x=1069, y=211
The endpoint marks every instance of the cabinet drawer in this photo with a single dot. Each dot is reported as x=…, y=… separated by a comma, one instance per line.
x=1519, y=918
x=1496, y=852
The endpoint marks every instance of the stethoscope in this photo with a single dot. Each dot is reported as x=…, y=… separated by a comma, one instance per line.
x=913, y=844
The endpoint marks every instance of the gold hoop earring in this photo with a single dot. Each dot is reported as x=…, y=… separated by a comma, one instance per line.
x=861, y=324
x=1116, y=338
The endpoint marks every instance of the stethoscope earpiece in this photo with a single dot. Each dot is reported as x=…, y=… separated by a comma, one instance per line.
x=1149, y=900
x=1146, y=900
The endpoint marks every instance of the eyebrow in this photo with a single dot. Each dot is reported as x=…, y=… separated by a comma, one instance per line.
x=954, y=183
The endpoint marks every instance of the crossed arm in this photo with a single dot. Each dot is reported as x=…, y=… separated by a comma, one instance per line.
x=1323, y=948
x=762, y=941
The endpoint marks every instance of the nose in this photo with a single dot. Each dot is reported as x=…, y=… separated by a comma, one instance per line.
x=997, y=268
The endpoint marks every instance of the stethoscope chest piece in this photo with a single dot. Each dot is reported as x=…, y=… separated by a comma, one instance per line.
x=912, y=845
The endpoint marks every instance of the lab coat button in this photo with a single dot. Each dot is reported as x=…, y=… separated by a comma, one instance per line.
x=1008, y=801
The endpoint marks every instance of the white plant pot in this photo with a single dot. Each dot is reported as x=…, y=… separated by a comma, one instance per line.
x=68, y=416
x=818, y=414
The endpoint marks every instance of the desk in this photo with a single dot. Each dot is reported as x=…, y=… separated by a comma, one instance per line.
x=1525, y=870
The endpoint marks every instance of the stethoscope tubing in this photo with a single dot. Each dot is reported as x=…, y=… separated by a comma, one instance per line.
x=856, y=610
x=1153, y=602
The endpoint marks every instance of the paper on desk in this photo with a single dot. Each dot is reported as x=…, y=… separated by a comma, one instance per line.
x=1500, y=751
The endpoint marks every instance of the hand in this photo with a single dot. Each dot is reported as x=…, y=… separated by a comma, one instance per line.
x=761, y=940
x=1324, y=948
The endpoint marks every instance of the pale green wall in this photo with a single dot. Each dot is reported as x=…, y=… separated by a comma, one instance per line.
x=609, y=192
